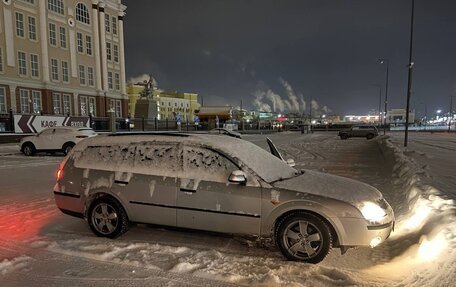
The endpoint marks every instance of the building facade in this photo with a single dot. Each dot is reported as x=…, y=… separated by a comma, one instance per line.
x=62, y=57
x=169, y=104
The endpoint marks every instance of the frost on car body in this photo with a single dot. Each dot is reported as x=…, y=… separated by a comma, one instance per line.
x=231, y=186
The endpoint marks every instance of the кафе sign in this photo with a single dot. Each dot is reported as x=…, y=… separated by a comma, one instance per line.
x=35, y=123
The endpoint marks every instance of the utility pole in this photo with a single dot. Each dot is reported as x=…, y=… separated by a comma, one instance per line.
x=410, y=70
x=242, y=117
x=451, y=113
x=310, y=115
x=380, y=107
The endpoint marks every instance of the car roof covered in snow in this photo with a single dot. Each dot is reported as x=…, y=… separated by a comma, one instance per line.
x=263, y=163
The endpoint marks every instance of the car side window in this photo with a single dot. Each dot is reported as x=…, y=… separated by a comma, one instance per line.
x=206, y=164
x=160, y=159
x=47, y=132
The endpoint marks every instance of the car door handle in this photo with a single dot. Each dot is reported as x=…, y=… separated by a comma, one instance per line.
x=187, y=190
x=121, y=182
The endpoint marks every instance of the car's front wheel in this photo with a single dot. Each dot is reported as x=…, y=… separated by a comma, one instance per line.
x=304, y=237
x=370, y=136
x=107, y=218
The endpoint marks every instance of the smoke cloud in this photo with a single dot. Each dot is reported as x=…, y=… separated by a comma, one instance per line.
x=266, y=100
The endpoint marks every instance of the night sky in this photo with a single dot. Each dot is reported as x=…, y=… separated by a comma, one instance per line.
x=291, y=50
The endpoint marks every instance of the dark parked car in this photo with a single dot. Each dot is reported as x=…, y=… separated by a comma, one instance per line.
x=368, y=132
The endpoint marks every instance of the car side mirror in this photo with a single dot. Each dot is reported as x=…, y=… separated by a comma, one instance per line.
x=291, y=162
x=238, y=176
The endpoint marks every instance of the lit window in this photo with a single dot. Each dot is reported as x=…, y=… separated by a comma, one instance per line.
x=80, y=43
x=90, y=76
x=56, y=103
x=114, y=25
x=52, y=34
x=83, y=105
x=118, y=109
x=24, y=101
x=2, y=100
x=19, y=24
x=54, y=69
x=92, y=106
x=21, y=58
x=82, y=13
x=117, y=81
x=88, y=45
x=66, y=104
x=1, y=60
x=32, y=28
x=56, y=6
x=107, y=23
x=34, y=65
x=82, y=79
x=36, y=100
x=110, y=80
x=65, y=71
x=63, y=41
x=116, y=53
x=108, y=51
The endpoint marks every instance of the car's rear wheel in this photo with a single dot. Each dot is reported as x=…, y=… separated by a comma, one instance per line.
x=28, y=149
x=107, y=218
x=343, y=136
x=370, y=136
x=304, y=237
x=67, y=148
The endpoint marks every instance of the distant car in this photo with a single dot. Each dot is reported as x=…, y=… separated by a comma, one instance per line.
x=368, y=132
x=227, y=132
x=56, y=139
x=203, y=182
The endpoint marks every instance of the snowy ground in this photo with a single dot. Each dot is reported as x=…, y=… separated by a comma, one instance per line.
x=39, y=246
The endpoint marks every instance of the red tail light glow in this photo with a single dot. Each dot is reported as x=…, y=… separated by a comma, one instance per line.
x=59, y=174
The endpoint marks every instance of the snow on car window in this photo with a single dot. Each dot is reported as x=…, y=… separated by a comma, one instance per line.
x=145, y=158
x=207, y=165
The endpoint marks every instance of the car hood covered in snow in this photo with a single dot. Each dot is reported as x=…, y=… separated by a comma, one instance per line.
x=332, y=186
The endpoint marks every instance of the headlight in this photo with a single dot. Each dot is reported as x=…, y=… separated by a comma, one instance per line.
x=372, y=211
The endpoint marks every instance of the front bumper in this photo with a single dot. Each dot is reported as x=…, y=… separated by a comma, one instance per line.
x=358, y=231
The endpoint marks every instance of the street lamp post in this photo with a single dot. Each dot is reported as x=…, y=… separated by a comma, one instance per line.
x=385, y=61
x=451, y=113
x=410, y=67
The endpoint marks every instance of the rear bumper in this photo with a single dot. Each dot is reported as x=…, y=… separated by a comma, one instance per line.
x=69, y=203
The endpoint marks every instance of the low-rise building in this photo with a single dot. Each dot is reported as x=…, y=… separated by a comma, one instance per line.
x=169, y=104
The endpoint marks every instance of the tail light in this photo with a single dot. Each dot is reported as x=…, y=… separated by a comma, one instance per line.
x=59, y=174
x=82, y=137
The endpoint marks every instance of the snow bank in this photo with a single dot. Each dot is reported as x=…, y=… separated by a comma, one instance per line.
x=422, y=247
x=15, y=264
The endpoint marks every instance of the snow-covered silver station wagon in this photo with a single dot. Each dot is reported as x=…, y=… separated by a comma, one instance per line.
x=217, y=183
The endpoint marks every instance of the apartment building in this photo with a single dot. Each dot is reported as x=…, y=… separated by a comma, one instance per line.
x=62, y=57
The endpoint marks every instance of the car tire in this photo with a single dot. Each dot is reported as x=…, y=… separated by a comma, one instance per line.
x=107, y=218
x=67, y=147
x=343, y=136
x=28, y=149
x=370, y=136
x=302, y=236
